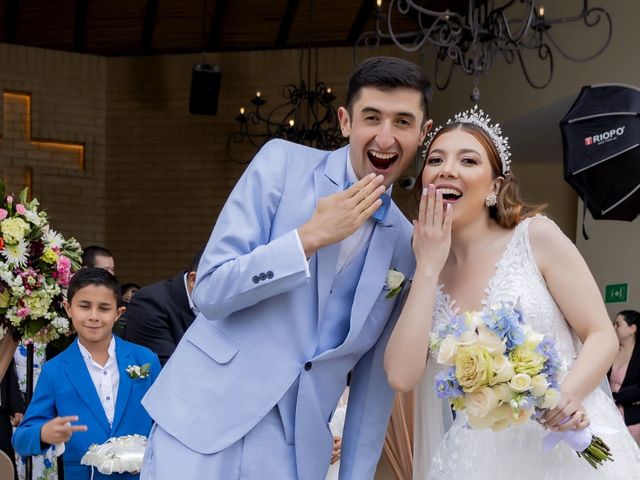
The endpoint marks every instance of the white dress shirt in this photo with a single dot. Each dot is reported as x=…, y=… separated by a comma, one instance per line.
x=105, y=378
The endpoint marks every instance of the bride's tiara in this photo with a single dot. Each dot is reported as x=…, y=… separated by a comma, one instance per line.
x=477, y=117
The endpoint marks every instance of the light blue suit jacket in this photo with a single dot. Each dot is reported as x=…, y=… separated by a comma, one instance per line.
x=258, y=328
x=65, y=388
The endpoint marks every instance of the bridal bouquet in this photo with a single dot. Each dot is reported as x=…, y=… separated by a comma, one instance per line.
x=116, y=455
x=503, y=373
x=36, y=264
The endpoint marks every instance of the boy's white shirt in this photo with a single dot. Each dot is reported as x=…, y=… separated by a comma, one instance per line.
x=105, y=380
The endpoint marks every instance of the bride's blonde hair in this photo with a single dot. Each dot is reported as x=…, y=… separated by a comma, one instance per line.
x=510, y=209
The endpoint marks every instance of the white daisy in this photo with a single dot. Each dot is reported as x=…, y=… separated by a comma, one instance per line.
x=16, y=253
x=52, y=239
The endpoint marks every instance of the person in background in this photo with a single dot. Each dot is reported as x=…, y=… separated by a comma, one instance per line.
x=128, y=291
x=624, y=375
x=159, y=314
x=11, y=411
x=100, y=257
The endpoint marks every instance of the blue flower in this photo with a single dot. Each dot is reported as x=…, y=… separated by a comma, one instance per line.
x=506, y=323
x=446, y=385
x=456, y=326
x=47, y=463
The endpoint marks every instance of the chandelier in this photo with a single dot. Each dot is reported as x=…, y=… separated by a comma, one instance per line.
x=307, y=115
x=473, y=37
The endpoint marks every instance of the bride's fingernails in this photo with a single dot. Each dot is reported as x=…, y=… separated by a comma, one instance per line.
x=424, y=190
x=449, y=206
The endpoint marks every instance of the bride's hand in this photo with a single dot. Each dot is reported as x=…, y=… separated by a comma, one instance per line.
x=569, y=414
x=432, y=231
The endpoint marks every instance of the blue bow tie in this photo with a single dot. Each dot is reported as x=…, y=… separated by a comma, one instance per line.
x=381, y=213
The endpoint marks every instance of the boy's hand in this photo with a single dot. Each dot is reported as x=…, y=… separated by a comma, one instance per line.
x=59, y=429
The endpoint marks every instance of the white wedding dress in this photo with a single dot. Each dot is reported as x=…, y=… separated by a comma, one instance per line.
x=462, y=453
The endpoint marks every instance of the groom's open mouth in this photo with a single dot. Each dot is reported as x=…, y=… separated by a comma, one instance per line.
x=381, y=160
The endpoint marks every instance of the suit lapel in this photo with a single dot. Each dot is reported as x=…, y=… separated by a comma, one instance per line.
x=124, y=387
x=78, y=375
x=326, y=183
x=374, y=273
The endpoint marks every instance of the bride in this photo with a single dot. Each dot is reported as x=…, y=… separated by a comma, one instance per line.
x=477, y=244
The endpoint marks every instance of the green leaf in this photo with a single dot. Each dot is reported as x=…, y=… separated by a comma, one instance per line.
x=394, y=292
x=23, y=195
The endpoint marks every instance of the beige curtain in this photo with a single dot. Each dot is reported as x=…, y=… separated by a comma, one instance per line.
x=398, y=443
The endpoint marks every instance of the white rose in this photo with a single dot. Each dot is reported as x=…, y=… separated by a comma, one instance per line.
x=394, y=279
x=539, y=385
x=490, y=340
x=532, y=336
x=494, y=418
x=502, y=369
x=468, y=339
x=551, y=399
x=504, y=392
x=520, y=416
x=447, y=351
x=481, y=402
x=520, y=382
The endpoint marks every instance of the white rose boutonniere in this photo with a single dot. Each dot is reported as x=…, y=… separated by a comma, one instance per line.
x=395, y=282
x=139, y=371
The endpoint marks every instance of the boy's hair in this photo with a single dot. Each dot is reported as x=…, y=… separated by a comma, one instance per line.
x=90, y=253
x=98, y=277
x=387, y=73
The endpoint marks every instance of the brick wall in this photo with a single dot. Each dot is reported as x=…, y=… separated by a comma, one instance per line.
x=52, y=127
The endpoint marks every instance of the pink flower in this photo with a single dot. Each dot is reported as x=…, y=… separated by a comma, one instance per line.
x=3, y=214
x=23, y=312
x=20, y=209
x=63, y=270
x=9, y=199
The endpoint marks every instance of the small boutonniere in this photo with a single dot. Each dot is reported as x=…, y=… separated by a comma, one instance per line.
x=139, y=371
x=394, y=283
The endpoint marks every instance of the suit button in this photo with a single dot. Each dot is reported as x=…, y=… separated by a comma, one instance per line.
x=263, y=276
x=307, y=366
x=255, y=279
x=269, y=274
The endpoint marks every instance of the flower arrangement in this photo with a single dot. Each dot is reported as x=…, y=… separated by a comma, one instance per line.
x=36, y=264
x=138, y=371
x=503, y=373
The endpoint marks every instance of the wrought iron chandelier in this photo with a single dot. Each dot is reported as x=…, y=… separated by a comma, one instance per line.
x=473, y=38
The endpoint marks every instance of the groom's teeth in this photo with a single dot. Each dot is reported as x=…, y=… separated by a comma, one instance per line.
x=383, y=156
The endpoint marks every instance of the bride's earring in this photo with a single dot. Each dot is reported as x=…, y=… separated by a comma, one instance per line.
x=491, y=200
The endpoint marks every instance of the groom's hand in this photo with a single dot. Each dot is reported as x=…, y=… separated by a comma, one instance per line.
x=339, y=215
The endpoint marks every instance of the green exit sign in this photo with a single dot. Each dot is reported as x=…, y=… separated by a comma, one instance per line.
x=616, y=293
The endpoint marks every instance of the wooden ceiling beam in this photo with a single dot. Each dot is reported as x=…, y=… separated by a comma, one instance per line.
x=287, y=21
x=150, y=17
x=357, y=27
x=11, y=21
x=80, y=25
x=216, y=24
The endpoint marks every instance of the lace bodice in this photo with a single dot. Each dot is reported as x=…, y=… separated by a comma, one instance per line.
x=518, y=280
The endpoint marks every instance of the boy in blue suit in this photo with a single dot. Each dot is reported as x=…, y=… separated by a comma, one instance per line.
x=292, y=296
x=88, y=382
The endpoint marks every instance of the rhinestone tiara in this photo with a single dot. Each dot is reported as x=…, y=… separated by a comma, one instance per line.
x=477, y=117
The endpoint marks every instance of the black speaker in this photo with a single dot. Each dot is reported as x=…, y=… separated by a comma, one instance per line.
x=205, y=89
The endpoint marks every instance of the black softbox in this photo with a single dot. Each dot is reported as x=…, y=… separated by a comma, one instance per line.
x=600, y=140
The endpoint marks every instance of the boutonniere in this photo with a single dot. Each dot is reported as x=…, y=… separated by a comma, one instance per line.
x=394, y=283
x=139, y=371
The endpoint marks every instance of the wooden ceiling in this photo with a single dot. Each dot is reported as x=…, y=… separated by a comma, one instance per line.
x=148, y=27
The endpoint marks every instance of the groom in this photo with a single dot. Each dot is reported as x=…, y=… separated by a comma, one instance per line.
x=292, y=296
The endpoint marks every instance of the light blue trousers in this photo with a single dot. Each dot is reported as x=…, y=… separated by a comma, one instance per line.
x=260, y=455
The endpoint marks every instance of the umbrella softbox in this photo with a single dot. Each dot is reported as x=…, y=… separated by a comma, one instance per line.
x=601, y=138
